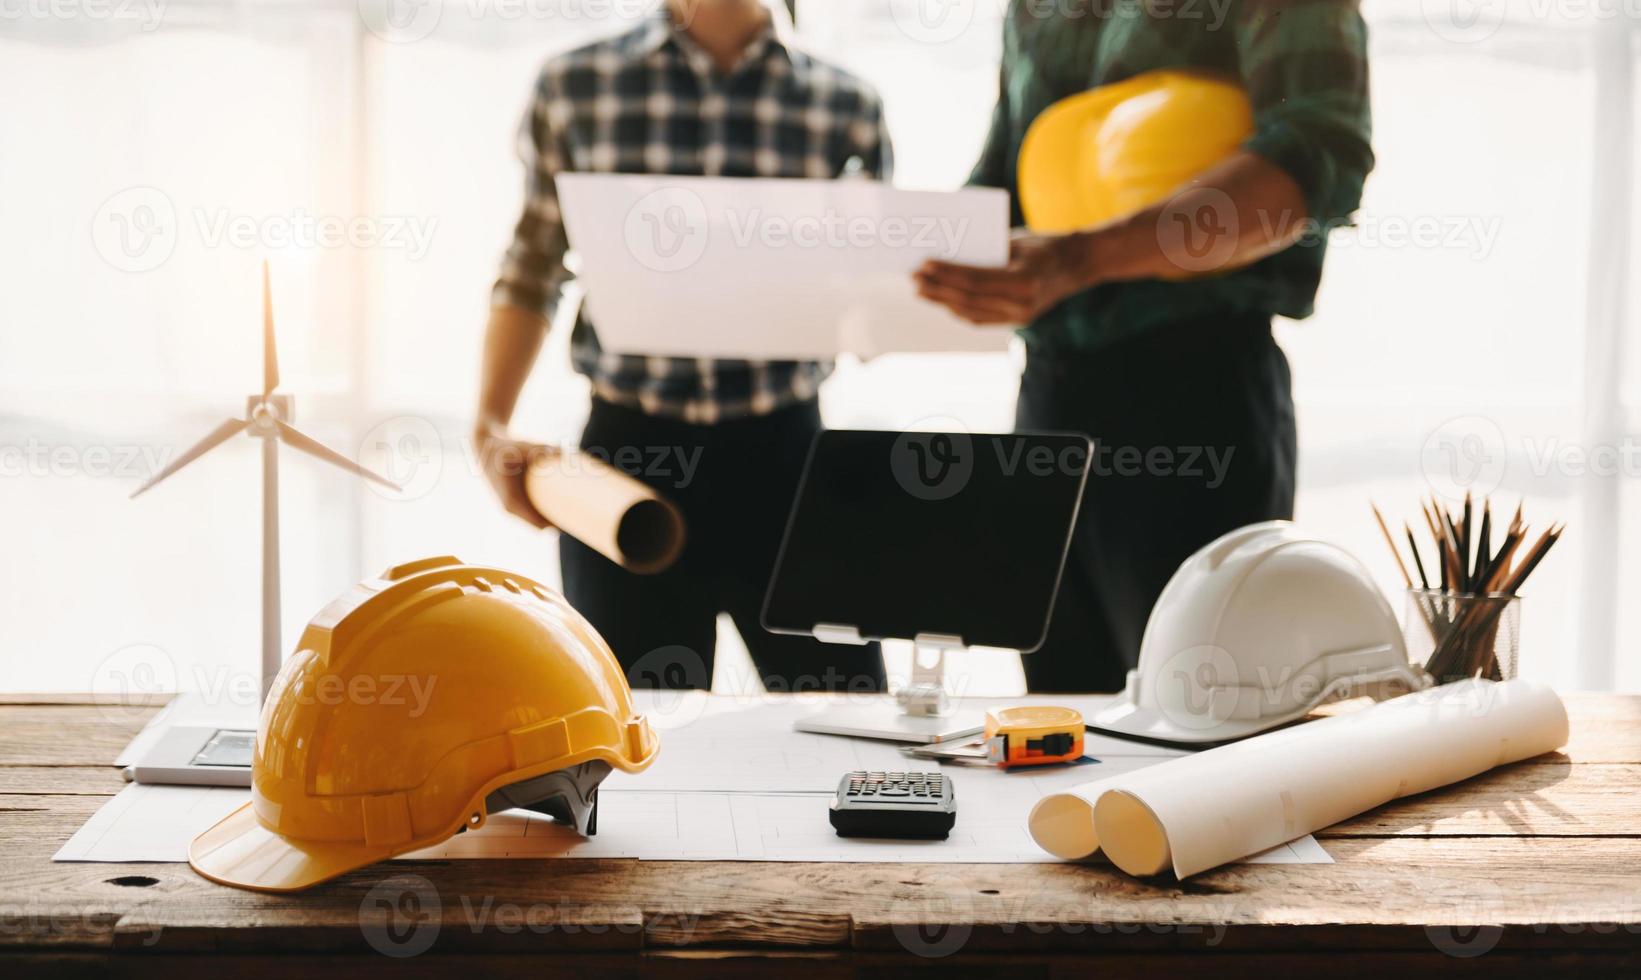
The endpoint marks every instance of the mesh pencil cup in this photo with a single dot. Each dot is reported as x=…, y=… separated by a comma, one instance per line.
x=1457, y=636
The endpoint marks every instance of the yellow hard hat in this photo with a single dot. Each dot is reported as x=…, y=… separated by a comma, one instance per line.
x=415, y=704
x=1116, y=149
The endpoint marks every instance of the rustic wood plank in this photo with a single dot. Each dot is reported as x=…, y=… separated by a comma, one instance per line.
x=42, y=818
x=84, y=698
x=761, y=965
x=59, y=735
x=1560, y=871
x=1380, y=894
x=1546, y=800
x=61, y=780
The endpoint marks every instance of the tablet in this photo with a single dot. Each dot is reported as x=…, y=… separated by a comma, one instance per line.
x=899, y=534
x=186, y=755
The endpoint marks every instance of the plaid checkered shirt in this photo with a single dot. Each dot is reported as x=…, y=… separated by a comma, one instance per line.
x=651, y=101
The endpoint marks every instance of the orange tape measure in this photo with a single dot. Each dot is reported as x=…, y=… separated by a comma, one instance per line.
x=1033, y=735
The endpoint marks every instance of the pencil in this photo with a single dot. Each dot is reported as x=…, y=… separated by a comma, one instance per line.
x=1430, y=525
x=1535, y=556
x=1501, y=561
x=1391, y=543
x=1450, y=541
x=1466, y=530
x=1484, y=545
x=1413, y=545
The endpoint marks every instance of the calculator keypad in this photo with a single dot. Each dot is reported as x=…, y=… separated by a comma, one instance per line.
x=911, y=787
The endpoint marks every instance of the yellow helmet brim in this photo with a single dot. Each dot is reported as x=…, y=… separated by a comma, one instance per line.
x=239, y=851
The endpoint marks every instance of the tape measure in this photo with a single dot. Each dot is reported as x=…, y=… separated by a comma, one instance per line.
x=1033, y=735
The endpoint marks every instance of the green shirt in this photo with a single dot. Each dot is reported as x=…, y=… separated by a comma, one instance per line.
x=1304, y=66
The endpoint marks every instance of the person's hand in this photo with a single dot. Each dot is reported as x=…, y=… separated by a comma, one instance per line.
x=1042, y=271
x=505, y=461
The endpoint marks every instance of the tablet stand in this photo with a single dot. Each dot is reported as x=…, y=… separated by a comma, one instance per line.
x=923, y=713
x=926, y=694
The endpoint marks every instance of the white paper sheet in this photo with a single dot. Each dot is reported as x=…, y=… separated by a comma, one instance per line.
x=773, y=269
x=156, y=823
x=733, y=782
x=720, y=744
x=1196, y=813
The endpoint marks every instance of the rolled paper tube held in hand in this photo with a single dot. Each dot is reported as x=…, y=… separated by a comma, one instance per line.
x=606, y=510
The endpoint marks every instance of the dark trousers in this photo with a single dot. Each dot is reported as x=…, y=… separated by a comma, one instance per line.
x=735, y=482
x=1193, y=429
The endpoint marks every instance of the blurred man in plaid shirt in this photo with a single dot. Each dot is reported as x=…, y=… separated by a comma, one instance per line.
x=705, y=88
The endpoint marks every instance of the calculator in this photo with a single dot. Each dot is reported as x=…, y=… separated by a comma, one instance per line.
x=918, y=805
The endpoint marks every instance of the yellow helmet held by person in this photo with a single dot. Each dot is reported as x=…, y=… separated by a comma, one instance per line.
x=1120, y=148
x=415, y=705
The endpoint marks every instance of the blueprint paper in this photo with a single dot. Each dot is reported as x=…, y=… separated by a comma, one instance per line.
x=733, y=782
x=774, y=269
x=730, y=745
x=1192, y=814
x=156, y=824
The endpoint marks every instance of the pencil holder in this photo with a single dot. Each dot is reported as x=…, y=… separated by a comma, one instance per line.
x=1457, y=636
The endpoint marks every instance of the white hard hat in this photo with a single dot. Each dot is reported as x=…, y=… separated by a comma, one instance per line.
x=1254, y=631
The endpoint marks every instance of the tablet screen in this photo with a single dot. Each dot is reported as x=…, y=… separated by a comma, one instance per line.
x=897, y=534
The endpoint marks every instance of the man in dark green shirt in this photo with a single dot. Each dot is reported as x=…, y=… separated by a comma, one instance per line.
x=1168, y=362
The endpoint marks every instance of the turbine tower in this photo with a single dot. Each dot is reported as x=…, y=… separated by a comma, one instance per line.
x=267, y=417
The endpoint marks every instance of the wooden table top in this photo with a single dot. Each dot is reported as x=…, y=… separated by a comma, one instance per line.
x=1533, y=867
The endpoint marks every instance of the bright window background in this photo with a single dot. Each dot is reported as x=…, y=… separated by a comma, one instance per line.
x=1509, y=334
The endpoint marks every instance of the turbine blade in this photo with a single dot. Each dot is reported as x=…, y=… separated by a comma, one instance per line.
x=296, y=440
x=218, y=435
x=270, y=356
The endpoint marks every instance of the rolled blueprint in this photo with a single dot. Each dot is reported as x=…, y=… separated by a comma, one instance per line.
x=1201, y=811
x=606, y=510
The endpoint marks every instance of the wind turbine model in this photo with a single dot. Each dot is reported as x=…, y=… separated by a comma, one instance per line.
x=267, y=417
